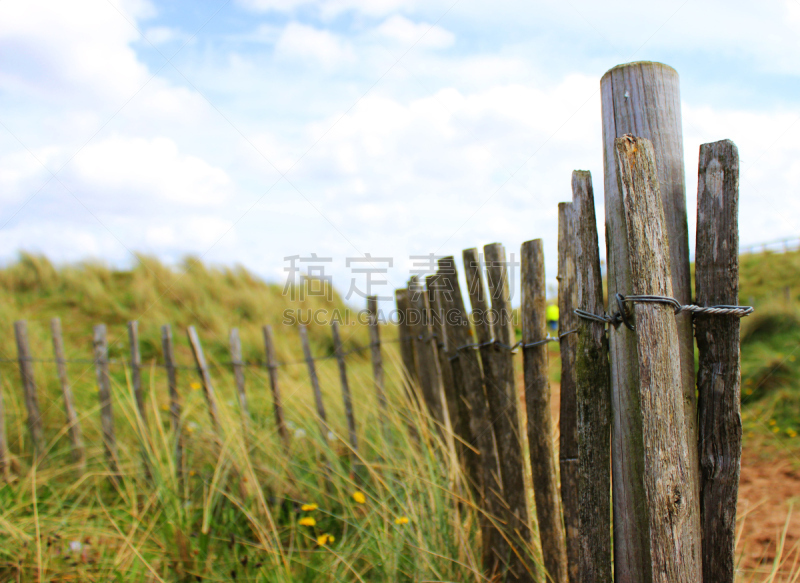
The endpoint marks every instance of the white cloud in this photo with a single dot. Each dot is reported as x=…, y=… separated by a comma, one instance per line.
x=401, y=29
x=298, y=41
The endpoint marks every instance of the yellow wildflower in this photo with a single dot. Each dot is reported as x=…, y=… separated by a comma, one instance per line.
x=401, y=520
x=192, y=472
x=308, y=507
x=324, y=539
x=791, y=433
x=195, y=386
x=359, y=497
x=307, y=521
x=776, y=430
x=772, y=422
x=165, y=407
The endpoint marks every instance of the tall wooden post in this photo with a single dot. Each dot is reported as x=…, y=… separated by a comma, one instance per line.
x=405, y=337
x=136, y=370
x=495, y=547
x=377, y=365
x=503, y=398
x=643, y=99
x=73, y=424
x=592, y=394
x=238, y=374
x=568, y=417
x=174, y=399
x=104, y=390
x=430, y=376
x=718, y=377
x=272, y=367
x=540, y=421
x=322, y=418
x=205, y=377
x=29, y=386
x=346, y=397
x=674, y=517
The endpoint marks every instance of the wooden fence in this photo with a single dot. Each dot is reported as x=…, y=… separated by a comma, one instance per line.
x=631, y=428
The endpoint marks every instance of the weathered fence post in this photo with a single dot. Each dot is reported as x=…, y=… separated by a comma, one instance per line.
x=104, y=390
x=439, y=339
x=73, y=425
x=322, y=418
x=568, y=414
x=405, y=339
x=501, y=391
x=377, y=365
x=238, y=374
x=136, y=371
x=205, y=377
x=718, y=377
x=29, y=386
x=5, y=462
x=495, y=547
x=272, y=367
x=540, y=421
x=429, y=374
x=673, y=507
x=643, y=99
x=174, y=399
x=346, y=398
x=592, y=394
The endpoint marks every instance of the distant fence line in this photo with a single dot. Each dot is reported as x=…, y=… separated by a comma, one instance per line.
x=779, y=245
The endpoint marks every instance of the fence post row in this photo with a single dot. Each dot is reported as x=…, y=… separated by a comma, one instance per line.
x=238, y=374
x=568, y=416
x=104, y=393
x=540, y=421
x=29, y=385
x=174, y=399
x=718, y=376
x=592, y=394
x=458, y=328
x=205, y=377
x=272, y=368
x=346, y=397
x=674, y=516
x=73, y=425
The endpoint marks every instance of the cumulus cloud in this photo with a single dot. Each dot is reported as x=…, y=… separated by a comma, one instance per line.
x=401, y=29
x=298, y=41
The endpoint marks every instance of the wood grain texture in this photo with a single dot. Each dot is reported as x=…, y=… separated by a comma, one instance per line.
x=377, y=366
x=592, y=394
x=136, y=371
x=346, y=397
x=643, y=99
x=540, y=421
x=405, y=339
x=718, y=376
x=568, y=417
x=277, y=404
x=673, y=507
x=469, y=373
x=167, y=348
x=425, y=352
x=29, y=386
x=501, y=392
x=73, y=424
x=104, y=393
x=238, y=374
x=205, y=377
x=322, y=417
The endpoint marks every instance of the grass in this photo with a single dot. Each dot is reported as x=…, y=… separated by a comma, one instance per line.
x=237, y=512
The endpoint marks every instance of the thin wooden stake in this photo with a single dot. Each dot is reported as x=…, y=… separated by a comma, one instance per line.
x=495, y=548
x=540, y=421
x=205, y=377
x=5, y=465
x=501, y=391
x=673, y=508
x=272, y=367
x=643, y=99
x=425, y=354
x=174, y=399
x=238, y=374
x=346, y=398
x=29, y=386
x=104, y=392
x=322, y=418
x=568, y=416
x=405, y=338
x=136, y=371
x=592, y=393
x=718, y=377
x=73, y=424
x=377, y=365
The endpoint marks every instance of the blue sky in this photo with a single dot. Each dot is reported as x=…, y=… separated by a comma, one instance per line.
x=250, y=130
